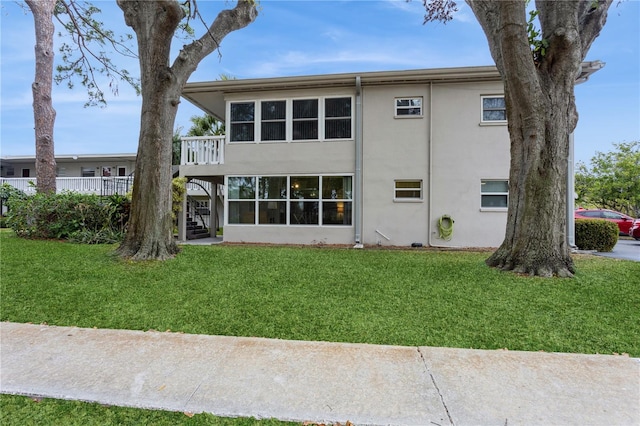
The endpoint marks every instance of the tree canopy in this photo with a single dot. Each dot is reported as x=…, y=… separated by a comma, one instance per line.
x=611, y=180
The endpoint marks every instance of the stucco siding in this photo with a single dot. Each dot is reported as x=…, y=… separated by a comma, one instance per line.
x=464, y=153
x=393, y=149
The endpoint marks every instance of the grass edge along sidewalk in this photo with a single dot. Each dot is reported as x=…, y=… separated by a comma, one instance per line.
x=395, y=297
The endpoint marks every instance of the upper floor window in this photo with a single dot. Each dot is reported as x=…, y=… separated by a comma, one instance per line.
x=274, y=121
x=305, y=119
x=494, y=109
x=337, y=121
x=242, y=121
x=408, y=107
x=494, y=194
x=310, y=119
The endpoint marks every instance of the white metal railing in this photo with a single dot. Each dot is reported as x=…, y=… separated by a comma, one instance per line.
x=83, y=185
x=202, y=150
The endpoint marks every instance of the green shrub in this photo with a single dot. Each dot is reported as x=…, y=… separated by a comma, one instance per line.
x=69, y=215
x=596, y=234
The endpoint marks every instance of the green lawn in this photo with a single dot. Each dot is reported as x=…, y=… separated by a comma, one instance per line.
x=397, y=297
x=23, y=411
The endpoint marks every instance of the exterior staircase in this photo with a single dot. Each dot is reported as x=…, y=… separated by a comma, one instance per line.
x=195, y=230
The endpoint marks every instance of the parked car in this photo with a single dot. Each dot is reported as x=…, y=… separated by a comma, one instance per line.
x=634, y=231
x=623, y=221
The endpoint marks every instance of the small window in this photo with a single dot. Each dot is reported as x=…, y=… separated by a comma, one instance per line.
x=122, y=171
x=106, y=171
x=494, y=194
x=11, y=171
x=408, y=107
x=26, y=173
x=242, y=122
x=408, y=189
x=88, y=172
x=494, y=109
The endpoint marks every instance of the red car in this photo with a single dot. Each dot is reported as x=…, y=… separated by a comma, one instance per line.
x=624, y=222
x=634, y=231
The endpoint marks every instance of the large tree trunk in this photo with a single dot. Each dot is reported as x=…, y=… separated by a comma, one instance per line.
x=43, y=112
x=150, y=231
x=541, y=114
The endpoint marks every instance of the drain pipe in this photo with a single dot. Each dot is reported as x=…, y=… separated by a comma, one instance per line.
x=357, y=190
x=571, y=223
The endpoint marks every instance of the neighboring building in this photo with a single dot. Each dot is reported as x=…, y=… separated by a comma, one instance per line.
x=101, y=174
x=384, y=158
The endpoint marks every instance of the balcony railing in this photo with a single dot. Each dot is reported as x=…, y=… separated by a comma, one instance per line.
x=84, y=185
x=99, y=185
x=202, y=150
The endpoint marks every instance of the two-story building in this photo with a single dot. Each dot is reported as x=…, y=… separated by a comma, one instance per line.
x=389, y=158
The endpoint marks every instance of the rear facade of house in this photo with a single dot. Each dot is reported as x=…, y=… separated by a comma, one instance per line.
x=399, y=158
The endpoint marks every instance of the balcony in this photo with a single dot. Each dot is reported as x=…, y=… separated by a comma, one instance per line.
x=197, y=150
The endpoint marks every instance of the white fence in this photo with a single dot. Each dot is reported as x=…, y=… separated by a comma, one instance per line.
x=202, y=150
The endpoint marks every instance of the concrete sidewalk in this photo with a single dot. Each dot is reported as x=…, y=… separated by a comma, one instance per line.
x=317, y=381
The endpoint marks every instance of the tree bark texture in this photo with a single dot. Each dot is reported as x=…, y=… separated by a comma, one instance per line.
x=150, y=231
x=541, y=114
x=43, y=112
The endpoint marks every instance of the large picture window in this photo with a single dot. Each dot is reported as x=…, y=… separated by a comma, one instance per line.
x=494, y=194
x=290, y=200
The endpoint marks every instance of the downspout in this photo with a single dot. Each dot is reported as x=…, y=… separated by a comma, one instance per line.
x=571, y=223
x=357, y=193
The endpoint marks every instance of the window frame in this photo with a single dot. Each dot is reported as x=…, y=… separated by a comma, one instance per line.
x=407, y=108
x=396, y=189
x=494, y=193
x=321, y=119
x=346, y=206
x=482, y=110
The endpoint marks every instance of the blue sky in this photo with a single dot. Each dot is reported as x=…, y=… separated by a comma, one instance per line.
x=307, y=37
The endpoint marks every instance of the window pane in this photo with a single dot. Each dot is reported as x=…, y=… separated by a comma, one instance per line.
x=336, y=213
x=494, y=201
x=336, y=187
x=305, y=108
x=337, y=129
x=273, y=131
x=408, y=184
x=493, y=103
x=242, y=111
x=241, y=188
x=494, y=115
x=272, y=188
x=409, y=194
x=305, y=130
x=495, y=186
x=337, y=107
x=241, y=132
x=274, y=110
x=242, y=212
x=304, y=187
x=303, y=213
x=272, y=212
